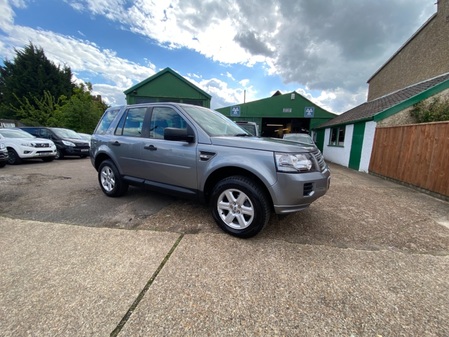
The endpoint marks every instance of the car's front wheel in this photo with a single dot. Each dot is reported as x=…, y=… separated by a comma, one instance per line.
x=13, y=157
x=110, y=181
x=59, y=154
x=240, y=207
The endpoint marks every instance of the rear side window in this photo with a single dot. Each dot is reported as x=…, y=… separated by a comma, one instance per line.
x=131, y=125
x=106, y=120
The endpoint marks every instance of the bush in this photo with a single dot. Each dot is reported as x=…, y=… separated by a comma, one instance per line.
x=435, y=110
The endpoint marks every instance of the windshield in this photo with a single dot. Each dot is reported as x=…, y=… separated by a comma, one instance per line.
x=66, y=133
x=214, y=123
x=9, y=133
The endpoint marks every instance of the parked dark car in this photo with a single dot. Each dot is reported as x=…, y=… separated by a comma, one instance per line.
x=3, y=155
x=68, y=142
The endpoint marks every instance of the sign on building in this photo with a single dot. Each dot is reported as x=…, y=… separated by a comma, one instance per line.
x=235, y=111
x=309, y=112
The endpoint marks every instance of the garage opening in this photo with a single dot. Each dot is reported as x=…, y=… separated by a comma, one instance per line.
x=277, y=127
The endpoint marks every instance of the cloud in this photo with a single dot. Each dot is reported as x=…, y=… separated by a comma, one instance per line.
x=329, y=48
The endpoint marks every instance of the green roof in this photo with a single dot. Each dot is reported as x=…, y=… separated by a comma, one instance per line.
x=162, y=73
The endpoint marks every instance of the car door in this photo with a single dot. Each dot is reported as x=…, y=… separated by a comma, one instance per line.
x=168, y=163
x=128, y=141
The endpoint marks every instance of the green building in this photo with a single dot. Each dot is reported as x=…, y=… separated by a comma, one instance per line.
x=167, y=86
x=279, y=114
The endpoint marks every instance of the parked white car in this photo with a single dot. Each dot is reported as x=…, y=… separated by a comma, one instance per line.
x=22, y=145
x=3, y=155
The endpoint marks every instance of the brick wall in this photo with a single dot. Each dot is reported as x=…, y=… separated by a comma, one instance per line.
x=425, y=56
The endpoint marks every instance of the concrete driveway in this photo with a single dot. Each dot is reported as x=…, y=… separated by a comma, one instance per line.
x=371, y=258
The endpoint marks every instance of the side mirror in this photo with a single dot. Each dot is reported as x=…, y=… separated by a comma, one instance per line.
x=179, y=135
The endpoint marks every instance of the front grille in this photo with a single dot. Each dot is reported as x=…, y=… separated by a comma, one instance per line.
x=320, y=159
x=42, y=145
x=82, y=146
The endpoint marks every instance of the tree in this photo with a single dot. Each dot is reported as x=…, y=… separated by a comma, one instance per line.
x=39, y=111
x=29, y=78
x=82, y=111
x=434, y=110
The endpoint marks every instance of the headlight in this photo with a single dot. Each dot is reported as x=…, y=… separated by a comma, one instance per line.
x=2, y=146
x=67, y=143
x=300, y=162
x=27, y=144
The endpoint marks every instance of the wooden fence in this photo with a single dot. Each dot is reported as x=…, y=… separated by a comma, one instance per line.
x=416, y=155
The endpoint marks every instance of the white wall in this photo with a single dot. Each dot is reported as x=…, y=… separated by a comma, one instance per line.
x=337, y=154
x=341, y=155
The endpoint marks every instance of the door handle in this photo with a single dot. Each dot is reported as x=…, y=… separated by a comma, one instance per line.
x=150, y=147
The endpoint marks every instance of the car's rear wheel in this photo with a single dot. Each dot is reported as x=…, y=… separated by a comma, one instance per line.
x=13, y=157
x=110, y=181
x=240, y=207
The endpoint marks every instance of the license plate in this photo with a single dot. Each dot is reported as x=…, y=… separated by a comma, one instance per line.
x=84, y=150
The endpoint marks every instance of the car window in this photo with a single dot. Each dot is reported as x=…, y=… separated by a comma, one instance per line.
x=66, y=133
x=131, y=124
x=44, y=133
x=106, y=120
x=163, y=117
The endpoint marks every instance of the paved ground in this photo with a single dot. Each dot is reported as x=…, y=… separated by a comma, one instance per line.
x=371, y=258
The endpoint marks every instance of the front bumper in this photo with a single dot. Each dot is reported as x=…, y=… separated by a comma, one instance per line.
x=295, y=192
x=31, y=152
x=76, y=151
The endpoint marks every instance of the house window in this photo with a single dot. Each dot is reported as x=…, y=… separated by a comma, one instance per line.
x=337, y=137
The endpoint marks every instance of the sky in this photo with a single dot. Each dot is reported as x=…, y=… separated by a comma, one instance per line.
x=237, y=51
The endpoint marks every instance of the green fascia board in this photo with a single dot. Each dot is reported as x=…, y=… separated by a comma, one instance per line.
x=278, y=106
x=354, y=121
x=411, y=101
x=160, y=75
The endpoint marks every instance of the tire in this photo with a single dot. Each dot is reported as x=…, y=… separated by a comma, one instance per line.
x=48, y=159
x=240, y=207
x=110, y=181
x=2, y=163
x=13, y=157
x=59, y=154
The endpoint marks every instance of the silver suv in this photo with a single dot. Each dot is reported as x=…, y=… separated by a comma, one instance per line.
x=194, y=152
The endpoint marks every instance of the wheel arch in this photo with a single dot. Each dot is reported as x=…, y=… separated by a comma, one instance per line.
x=229, y=171
x=101, y=157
